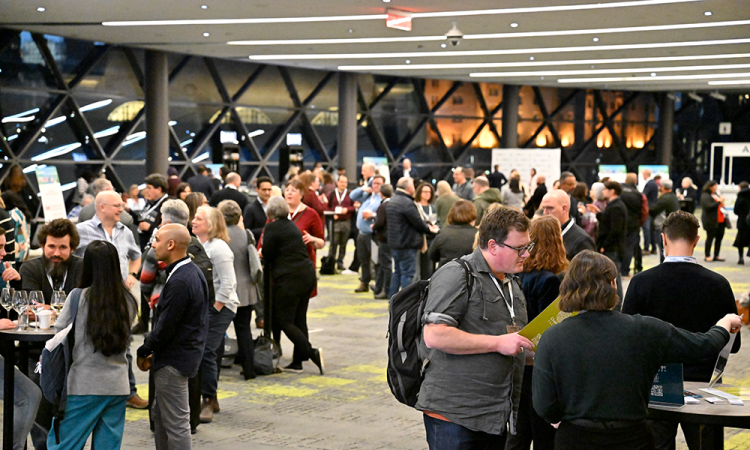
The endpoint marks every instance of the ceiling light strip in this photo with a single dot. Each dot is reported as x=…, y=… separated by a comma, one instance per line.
x=340, y=41
x=375, y=67
x=728, y=83
x=651, y=79
x=478, y=12
x=609, y=71
x=513, y=51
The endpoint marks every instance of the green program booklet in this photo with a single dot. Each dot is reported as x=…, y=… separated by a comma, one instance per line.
x=550, y=316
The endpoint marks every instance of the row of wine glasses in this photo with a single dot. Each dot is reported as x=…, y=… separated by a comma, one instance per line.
x=22, y=301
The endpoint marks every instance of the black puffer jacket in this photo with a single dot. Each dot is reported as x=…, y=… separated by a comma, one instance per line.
x=405, y=225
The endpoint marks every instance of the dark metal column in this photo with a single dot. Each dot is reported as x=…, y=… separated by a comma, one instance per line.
x=157, y=112
x=666, y=128
x=347, y=144
x=510, y=116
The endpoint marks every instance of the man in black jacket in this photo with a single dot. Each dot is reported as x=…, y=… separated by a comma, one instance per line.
x=659, y=211
x=254, y=214
x=575, y=239
x=651, y=191
x=384, y=267
x=610, y=239
x=406, y=231
x=231, y=191
x=689, y=296
x=150, y=218
x=176, y=343
x=202, y=183
x=634, y=203
x=497, y=179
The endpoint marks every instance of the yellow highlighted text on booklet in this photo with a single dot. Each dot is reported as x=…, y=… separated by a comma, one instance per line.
x=550, y=316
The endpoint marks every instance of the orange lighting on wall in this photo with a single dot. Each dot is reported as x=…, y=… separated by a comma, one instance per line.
x=541, y=140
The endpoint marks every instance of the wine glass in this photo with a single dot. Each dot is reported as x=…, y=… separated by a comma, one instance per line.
x=36, y=302
x=20, y=304
x=6, y=299
x=58, y=301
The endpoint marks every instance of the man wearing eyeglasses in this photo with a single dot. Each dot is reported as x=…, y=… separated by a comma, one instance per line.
x=472, y=383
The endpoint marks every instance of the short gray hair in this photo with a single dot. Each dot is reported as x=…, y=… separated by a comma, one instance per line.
x=175, y=211
x=231, y=210
x=277, y=208
x=101, y=184
x=667, y=184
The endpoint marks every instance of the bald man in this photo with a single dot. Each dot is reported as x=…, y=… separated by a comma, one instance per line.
x=231, y=191
x=575, y=239
x=174, y=348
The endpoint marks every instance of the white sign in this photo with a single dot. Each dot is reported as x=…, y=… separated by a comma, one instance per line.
x=725, y=128
x=736, y=149
x=381, y=166
x=51, y=193
x=545, y=161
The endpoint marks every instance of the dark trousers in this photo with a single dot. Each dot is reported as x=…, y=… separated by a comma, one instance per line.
x=530, y=426
x=632, y=252
x=354, y=266
x=442, y=435
x=697, y=437
x=717, y=235
x=573, y=437
x=383, y=269
x=145, y=313
x=291, y=296
x=245, y=344
x=218, y=322
x=364, y=253
x=647, y=244
x=339, y=239
x=426, y=266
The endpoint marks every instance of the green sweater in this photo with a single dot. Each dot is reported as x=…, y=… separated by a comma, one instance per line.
x=600, y=365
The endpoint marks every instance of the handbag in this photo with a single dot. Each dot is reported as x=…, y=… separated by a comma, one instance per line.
x=55, y=362
x=266, y=351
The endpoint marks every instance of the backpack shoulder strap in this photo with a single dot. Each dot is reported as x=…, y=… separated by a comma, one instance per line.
x=469, y=273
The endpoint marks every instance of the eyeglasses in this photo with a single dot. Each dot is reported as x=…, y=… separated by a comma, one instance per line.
x=520, y=250
x=116, y=205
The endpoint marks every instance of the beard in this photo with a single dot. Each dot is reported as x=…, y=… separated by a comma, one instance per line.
x=55, y=268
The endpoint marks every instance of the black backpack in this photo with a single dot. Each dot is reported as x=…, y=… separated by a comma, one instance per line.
x=198, y=255
x=405, y=368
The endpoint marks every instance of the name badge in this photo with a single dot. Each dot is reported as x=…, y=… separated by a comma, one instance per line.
x=339, y=210
x=513, y=328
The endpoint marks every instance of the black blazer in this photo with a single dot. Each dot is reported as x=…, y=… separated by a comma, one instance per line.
x=254, y=218
x=710, y=214
x=229, y=194
x=34, y=277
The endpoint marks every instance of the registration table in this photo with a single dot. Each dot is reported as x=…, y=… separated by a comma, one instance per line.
x=721, y=414
x=8, y=338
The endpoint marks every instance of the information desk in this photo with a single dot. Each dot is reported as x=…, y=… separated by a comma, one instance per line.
x=8, y=338
x=720, y=414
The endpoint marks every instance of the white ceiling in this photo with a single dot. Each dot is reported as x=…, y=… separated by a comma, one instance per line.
x=702, y=53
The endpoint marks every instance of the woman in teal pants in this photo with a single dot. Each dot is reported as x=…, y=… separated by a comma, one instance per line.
x=98, y=379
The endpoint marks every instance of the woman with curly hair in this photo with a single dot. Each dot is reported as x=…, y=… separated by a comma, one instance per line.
x=540, y=281
x=593, y=372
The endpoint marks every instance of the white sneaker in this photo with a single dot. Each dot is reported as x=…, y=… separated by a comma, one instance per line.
x=349, y=272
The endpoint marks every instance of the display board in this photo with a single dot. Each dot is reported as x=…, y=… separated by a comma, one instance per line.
x=545, y=161
x=49, y=189
x=729, y=151
x=616, y=172
x=661, y=170
x=381, y=166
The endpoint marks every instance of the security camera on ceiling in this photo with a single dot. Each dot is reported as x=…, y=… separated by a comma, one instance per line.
x=454, y=35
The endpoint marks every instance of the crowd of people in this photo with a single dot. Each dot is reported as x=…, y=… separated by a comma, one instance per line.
x=194, y=250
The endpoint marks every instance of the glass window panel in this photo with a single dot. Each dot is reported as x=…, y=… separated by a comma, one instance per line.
x=526, y=129
x=234, y=74
x=402, y=99
x=194, y=84
x=23, y=65
x=463, y=102
x=528, y=109
x=112, y=74
x=326, y=125
x=134, y=146
x=105, y=115
x=130, y=174
x=61, y=143
x=268, y=90
x=19, y=112
x=305, y=81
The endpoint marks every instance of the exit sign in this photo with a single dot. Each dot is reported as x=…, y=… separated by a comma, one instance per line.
x=400, y=20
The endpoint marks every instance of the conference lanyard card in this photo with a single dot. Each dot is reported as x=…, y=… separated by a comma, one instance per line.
x=513, y=328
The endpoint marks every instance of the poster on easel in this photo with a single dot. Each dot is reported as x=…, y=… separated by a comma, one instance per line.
x=51, y=193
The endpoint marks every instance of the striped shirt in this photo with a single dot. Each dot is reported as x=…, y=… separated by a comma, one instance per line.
x=122, y=238
x=10, y=236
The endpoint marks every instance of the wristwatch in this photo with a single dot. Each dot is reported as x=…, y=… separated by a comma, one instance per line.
x=135, y=275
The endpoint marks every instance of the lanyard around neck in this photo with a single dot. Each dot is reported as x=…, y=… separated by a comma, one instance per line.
x=341, y=197
x=510, y=306
x=65, y=278
x=292, y=216
x=175, y=269
x=571, y=222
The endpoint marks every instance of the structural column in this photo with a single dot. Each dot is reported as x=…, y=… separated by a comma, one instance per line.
x=157, y=112
x=666, y=127
x=347, y=143
x=510, y=116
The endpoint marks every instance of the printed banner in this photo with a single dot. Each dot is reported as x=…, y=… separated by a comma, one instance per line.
x=51, y=193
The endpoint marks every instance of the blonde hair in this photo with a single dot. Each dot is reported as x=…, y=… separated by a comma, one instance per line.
x=443, y=188
x=217, y=226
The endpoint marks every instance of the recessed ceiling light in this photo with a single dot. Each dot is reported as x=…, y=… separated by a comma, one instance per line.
x=531, y=58
x=351, y=31
x=408, y=61
x=41, y=9
x=386, y=1
x=544, y=63
x=708, y=13
x=596, y=39
x=204, y=6
x=653, y=74
x=480, y=12
x=443, y=45
x=514, y=25
x=206, y=34
x=510, y=51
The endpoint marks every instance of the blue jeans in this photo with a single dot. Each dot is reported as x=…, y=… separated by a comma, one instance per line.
x=218, y=322
x=404, y=269
x=648, y=244
x=26, y=398
x=442, y=435
x=103, y=415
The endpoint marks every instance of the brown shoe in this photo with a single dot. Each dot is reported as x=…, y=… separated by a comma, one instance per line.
x=207, y=411
x=137, y=402
x=362, y=288
x=215, y=404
